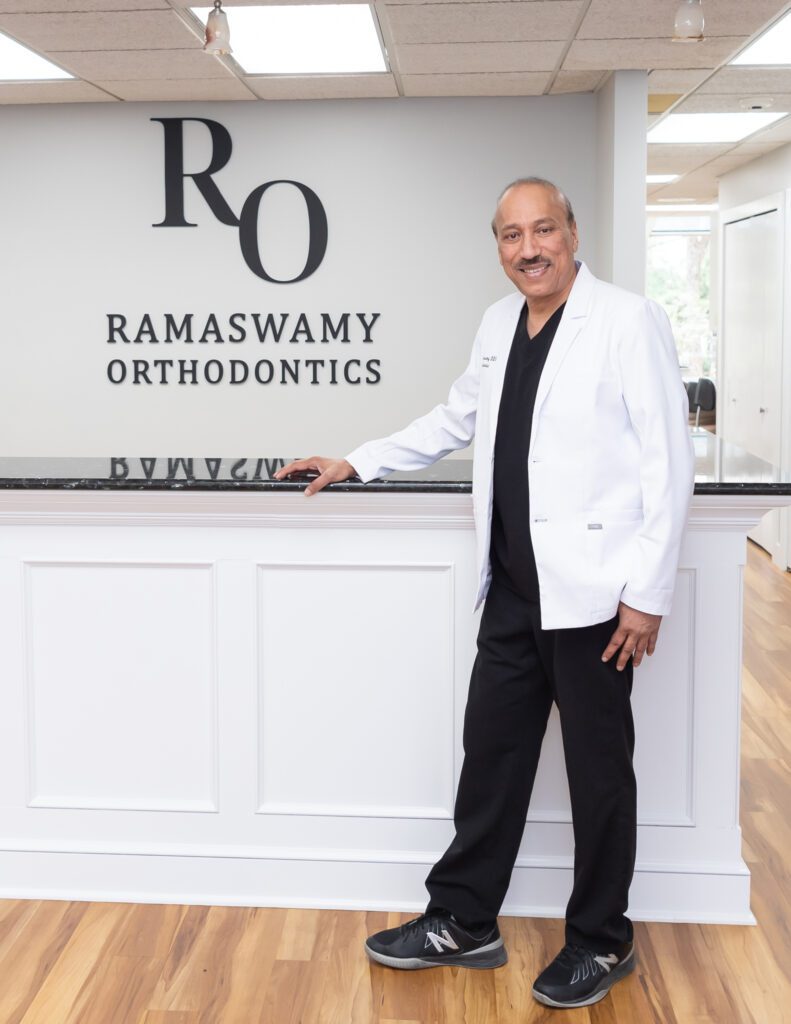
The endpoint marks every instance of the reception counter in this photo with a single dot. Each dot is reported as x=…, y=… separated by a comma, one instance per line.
x=216, y=691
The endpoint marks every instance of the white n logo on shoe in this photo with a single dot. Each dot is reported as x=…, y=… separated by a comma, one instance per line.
x=606, y=961
x=438, y=941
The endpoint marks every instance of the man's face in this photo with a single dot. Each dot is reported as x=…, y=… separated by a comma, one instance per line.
x=535, y=242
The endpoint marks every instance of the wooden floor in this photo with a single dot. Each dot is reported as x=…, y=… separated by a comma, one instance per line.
x=111, y=963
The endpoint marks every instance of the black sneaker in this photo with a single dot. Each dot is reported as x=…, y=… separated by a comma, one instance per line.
x=579, y=976
x=436, y=940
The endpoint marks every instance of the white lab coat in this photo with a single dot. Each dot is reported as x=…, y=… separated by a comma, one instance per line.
x=610, y=464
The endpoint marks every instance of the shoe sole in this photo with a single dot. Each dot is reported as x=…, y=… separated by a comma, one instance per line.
x=485, y=958
x=621, y=971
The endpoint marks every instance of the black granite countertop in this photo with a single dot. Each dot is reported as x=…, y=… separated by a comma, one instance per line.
x=721, y=468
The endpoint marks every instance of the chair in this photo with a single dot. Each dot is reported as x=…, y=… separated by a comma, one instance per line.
x=702, y=395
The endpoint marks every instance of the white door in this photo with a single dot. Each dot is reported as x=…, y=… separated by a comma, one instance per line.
x=752, y=339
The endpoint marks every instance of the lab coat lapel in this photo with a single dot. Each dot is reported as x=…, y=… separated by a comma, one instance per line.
x=571, y=323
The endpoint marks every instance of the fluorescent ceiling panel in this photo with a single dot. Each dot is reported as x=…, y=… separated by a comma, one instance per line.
x=773, y=47
x=314, y=39
x=18, y=64
x=660, y=179
x=703, y=128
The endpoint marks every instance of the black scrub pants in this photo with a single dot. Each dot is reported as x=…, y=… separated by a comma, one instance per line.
x=518, y=671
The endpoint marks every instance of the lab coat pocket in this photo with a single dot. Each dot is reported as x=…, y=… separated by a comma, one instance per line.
x=608, y=538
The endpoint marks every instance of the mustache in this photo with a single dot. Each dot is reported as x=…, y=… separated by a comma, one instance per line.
x=536, y=261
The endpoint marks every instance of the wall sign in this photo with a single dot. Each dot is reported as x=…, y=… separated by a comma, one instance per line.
x=247, y=221
x=170, y=328
x=260, y=328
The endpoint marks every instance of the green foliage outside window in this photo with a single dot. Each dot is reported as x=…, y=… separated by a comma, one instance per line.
x=679, y=279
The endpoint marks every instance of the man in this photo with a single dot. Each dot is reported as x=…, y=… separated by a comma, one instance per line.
x=582, y=478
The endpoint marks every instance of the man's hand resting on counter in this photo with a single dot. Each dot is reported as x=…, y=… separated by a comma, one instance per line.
x=331, y=471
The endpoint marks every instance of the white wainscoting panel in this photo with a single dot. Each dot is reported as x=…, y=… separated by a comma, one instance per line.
x=356, y=706
x=663, y=697
x=299, y=669
x=550, y=800
x=121, y=697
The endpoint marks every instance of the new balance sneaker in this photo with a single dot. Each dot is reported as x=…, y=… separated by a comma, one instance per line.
x=436, y=940
x=579, y=976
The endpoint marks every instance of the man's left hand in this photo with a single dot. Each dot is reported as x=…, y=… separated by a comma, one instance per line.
x=635, y=636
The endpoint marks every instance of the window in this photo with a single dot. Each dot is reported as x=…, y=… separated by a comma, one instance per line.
x=679, y=279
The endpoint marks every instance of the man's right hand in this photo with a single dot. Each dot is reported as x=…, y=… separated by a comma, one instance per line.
x=331, y=471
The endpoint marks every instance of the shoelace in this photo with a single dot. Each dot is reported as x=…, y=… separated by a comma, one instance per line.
x=572, y=954
x=579, y=957
x=424, y=919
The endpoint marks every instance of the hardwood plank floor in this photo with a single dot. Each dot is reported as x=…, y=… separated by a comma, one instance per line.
x=117, y=963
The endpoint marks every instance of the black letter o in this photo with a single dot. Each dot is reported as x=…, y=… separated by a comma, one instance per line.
x=248, y=231
x=120, y=363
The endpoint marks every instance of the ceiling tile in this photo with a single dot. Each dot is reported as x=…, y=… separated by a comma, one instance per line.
x=729, y=161
x=185, y=89
x=59, y=6
x=757, y=148
x=780, y=132
x=749, y=81
x=52, y=92
x=652, y=191
x=458, y=58
x=395, y=3
x=587, y=54
x=659, y=102
x=321, y=87
x=117, y=30
x=640, y=19
x=677, y=81
x=706, y=103
x=516, y=83
x=667, y=159
x=700, y=185
x=736, y=157
x=694, y=162
x=578, y=81
x=136, y=65
x=259, y=3
x=483, y=22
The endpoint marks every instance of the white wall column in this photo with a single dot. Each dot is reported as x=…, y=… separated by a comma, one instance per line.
x=621, y=167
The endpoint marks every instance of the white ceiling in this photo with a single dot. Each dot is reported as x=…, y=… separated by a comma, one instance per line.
x=126, y=50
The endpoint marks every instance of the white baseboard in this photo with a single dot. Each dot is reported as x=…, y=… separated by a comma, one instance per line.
x=658, y=894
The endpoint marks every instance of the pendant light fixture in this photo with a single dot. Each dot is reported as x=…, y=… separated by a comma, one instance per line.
x=218, y=36
x=688, y=26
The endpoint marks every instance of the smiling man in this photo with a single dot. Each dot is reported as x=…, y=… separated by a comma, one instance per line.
x=581, y=494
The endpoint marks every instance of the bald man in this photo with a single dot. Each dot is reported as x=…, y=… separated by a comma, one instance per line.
x=581, y=496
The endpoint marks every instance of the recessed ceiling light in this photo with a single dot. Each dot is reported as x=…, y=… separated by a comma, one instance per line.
x=773, y=47
x=660, y=179
x=702, y=128
x=18, y=64
x=310, y=39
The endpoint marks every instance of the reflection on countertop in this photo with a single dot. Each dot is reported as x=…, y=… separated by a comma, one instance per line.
x=720, y=468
